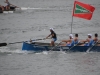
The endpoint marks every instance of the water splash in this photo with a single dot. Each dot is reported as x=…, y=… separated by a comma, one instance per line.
x=14, y=51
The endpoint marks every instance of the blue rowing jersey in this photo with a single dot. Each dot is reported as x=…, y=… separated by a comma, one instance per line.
x=89, y=43
x=71, y=44
x=76, y=42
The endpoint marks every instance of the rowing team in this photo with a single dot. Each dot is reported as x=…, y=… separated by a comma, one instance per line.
x=8, y=7
x=74, y=41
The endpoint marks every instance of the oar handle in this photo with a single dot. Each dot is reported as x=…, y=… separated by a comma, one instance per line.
x=25, y=41
x=34, y=40
x=15, y=42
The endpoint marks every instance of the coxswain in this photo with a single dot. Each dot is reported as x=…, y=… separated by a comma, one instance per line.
x=53, y=36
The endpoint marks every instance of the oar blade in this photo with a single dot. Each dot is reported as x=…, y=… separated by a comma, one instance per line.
x=3, y=44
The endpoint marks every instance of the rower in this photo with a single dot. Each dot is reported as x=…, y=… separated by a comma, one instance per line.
x=1, y=9
x=8, y=5
x=95, y=37
x=69, y=42
x=53, y=36
x=89, y=40
x=76, y=40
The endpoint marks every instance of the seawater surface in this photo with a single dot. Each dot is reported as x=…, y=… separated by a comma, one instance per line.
x=33, y=23
x=49, y=63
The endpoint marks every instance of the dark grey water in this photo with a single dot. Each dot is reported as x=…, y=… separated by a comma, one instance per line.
x=34, y=23
x=52, y=63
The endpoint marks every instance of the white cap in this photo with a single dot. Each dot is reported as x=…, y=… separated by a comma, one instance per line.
x=90, y=35
x=71, y=35
x=52, y=29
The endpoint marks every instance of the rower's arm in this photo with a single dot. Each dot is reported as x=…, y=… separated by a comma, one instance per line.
x=48, y=36
x=83, y=41
x=14, y=5
x=66, y=41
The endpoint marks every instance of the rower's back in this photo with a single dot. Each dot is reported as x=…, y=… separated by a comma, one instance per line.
x=95, y=37
x=76, y=40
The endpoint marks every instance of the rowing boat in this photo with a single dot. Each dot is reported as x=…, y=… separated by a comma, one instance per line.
x=39, y=47
x=12, y=10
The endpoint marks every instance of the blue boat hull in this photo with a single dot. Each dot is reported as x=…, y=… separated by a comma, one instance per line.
x=39, y=48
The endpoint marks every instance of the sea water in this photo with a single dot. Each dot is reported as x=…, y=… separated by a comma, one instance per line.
x=33, y=22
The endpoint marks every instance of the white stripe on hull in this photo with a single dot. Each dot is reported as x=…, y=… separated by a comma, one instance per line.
x=6, y=12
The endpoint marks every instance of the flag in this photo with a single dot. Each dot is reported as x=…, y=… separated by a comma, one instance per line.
x=83, y=10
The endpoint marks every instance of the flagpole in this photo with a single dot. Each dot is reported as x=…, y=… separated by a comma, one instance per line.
x=71, y=24
x=72, y=17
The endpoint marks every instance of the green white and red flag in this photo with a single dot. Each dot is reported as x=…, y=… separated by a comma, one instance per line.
x=83, y=10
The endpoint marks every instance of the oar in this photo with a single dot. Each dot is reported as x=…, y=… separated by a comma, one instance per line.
x=56, y=46
x=5, y=44
x=88, y=50
x=14, y=6
x=73, y=46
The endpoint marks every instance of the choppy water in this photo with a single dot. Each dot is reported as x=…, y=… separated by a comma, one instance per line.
x=49, y=63
x=34, y=23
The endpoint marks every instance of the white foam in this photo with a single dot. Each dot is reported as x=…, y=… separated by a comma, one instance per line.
x=29, y=8
x=45, y=52
x=23, y=8
x=7, y=50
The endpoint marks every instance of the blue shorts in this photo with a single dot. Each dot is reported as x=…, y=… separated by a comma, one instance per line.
x=54, y=39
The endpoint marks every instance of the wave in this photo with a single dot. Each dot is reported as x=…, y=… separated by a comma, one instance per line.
x=6, y=50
